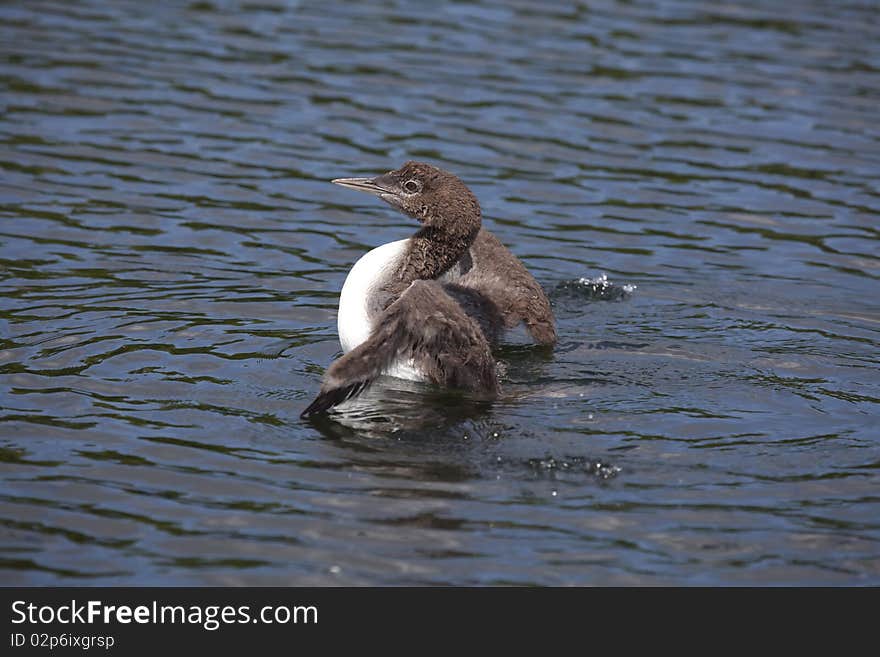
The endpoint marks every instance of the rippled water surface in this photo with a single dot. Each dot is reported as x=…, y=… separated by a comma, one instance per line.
x=172, y=255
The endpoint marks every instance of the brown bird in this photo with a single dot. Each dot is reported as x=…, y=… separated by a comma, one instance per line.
x=429, y=308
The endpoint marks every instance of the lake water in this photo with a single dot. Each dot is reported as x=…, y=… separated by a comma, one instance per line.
x=172, y=254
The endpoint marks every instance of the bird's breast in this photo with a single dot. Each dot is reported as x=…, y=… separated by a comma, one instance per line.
x=357, y=302
x=361, y=286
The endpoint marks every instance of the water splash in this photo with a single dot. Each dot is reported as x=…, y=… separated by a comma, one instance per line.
x=550, y=465
x=595, y=289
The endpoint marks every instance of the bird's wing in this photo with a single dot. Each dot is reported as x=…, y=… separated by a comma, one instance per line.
x=499, y=275
x=427, y=325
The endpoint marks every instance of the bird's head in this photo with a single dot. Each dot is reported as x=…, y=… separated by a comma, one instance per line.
x=434, y=197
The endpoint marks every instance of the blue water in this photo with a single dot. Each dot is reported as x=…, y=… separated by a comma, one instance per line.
x=172, y=254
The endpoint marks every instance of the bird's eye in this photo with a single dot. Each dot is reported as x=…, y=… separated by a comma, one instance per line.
x=412, y=186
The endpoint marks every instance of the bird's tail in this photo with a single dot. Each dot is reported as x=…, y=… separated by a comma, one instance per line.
x=355, y=371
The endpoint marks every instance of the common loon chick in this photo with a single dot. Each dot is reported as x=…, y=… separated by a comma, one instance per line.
x=430, y=307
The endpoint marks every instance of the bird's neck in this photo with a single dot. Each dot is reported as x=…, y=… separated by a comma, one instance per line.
x=431, y=253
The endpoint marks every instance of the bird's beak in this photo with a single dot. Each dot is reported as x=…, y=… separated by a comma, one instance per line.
x=369, y=185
